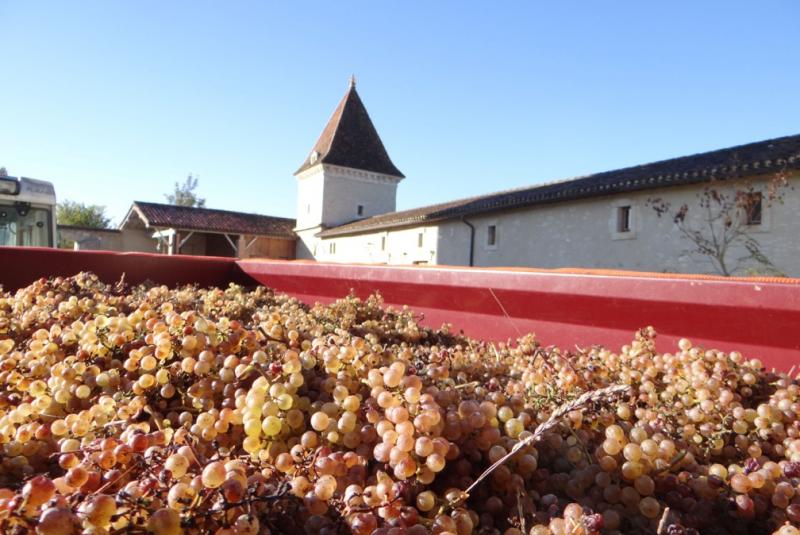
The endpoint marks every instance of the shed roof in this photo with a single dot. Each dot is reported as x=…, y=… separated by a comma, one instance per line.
x=211, y=220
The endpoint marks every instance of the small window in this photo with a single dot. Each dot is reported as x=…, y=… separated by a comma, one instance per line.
x=491, y=235
x=383, y=243
x=419, y=239
x=623, y=219
x=753, y=211
x=308, y=208
x=360, y=210
x=332, y=248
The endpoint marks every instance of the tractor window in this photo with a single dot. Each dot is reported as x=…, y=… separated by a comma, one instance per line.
x=23, y=225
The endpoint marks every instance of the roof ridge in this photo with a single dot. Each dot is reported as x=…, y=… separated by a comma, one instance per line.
x=158, y=215
x=350, y=139
x=626, y=184
x=339, y=109
x=178, y=206
x=626, y=168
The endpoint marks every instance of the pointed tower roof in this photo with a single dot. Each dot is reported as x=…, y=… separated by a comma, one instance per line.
x=350, y=140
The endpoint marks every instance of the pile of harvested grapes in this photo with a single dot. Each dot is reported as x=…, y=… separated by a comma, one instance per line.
x=153, y=410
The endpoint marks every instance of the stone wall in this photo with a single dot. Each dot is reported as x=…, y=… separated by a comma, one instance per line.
x=90, y=239
x=414, y=245
x=581, y=234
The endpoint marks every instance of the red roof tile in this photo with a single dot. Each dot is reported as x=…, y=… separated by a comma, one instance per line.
x=210, y=220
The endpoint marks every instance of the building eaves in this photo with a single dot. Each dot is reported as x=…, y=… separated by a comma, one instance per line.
x=157, y=215
x=753, y=159
x=88, y=229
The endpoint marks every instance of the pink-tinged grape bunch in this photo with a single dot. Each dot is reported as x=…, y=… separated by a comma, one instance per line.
x=239, y=411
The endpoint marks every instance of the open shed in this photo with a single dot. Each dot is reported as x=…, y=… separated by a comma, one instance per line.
x=209, y=232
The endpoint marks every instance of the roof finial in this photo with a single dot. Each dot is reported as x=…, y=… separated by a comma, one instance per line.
x=352, y=81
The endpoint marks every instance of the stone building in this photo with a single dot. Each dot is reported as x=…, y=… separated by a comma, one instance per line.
x=104, y=239
x=347, y=197
x=170, y=229
x=347, y=176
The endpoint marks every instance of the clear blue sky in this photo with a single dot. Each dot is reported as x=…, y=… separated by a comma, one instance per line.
x=114, y=101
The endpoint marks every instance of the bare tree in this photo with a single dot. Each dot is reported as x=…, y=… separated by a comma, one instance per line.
x=3, y=172
x=184, y=194
x=721, y=226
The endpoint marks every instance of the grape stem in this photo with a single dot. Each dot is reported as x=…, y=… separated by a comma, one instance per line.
x=268, y=337
x=521, y=512
x=665, y=522
x=113, y=481
x=591, y=397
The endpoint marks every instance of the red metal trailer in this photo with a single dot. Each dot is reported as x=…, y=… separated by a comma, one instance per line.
x=758, y=316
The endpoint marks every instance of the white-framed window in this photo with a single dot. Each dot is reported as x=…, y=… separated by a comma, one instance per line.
x=383, y=243
x=756, y=212
x=420, y=239
x=308, y=208
x=360, y=210
x=623, y=218
x=622, y=222
x=332, y=247
x=492, y=235
x=753, y=209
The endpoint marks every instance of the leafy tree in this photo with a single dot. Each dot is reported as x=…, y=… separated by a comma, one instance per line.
x=82, y=215
x=185, y=195
x=721, y=225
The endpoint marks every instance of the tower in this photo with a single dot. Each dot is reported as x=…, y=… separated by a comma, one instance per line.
x=348, y=175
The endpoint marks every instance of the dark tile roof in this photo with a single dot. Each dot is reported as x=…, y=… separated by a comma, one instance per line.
x=90, y=229
x=210, y=220
x=350, y=140
x=753, y=159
